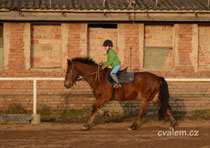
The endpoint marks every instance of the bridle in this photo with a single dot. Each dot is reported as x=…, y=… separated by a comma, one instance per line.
x=83, y=78
x=72, y=74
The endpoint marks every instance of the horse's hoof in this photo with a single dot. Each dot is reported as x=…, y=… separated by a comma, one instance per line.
x=133, y=127
x=173, y=124
x=171, y=128
x=86, y=127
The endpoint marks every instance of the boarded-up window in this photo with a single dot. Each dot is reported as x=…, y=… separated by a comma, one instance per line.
x=1, y=46
x=204, y=47
x=46, y=46
x=97, y=35
x=158, y=47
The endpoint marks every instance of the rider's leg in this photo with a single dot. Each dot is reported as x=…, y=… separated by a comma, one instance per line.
x=113, y=74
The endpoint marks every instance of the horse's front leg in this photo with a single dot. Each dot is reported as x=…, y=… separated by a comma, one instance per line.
x=96, y=106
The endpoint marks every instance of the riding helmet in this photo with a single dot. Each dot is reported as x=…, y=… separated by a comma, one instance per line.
x=108, y=43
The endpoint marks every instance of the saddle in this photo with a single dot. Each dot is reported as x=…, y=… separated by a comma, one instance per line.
x=122, y=75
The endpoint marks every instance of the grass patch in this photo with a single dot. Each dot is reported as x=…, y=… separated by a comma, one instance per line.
x=15, y=109
x=44, y=110
x=59, y=115
x=49, y=114
x=201, y=114
x=179, y=115
x=194, y=115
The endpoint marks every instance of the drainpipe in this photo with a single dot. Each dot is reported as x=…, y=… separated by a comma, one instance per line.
x=130, y=59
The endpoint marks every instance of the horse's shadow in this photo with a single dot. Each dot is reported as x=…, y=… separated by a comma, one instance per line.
x=179, y=108
x=123, y=111
x=126, y=111
x=116, y=119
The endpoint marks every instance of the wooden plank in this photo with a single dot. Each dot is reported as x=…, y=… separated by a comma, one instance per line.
x=1, y=57
x=112, y=17
x=160, y=47
x=1, y=47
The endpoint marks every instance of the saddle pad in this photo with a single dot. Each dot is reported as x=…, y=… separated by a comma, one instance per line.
x=123, y=77
x=126, y=77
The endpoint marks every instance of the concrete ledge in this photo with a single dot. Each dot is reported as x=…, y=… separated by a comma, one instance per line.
x=15, y=118
x=36, y=119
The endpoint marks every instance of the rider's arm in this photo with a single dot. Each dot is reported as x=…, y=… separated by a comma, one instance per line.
x=110, y=58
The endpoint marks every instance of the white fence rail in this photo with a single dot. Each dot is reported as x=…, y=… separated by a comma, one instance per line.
x=34, y=79
x=34, y=87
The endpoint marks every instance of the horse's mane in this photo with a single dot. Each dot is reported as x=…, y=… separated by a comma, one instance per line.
x=85, y=60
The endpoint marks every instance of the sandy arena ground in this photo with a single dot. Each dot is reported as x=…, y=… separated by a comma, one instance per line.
x=150, y=135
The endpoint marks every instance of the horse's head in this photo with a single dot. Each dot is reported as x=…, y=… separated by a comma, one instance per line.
x=71, y=74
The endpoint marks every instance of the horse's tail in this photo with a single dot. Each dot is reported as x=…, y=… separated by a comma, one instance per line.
x=164, y=98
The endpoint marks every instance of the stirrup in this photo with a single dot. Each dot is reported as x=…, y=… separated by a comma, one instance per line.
x=117, y=85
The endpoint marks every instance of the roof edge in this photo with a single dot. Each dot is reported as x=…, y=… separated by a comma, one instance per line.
x=107, y=11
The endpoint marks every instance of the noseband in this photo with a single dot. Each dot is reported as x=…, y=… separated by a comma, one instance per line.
x=72, y=72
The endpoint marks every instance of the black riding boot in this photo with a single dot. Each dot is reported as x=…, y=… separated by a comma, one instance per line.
x=114, y=77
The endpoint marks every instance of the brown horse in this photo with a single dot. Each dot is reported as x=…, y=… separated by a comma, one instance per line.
x=146, y=86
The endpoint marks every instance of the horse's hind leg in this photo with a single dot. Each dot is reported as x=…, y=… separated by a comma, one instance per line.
x=142, y=112
x=168, y=110
x=169, y=113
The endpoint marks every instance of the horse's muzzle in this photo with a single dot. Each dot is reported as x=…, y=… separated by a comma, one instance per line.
x=67, y=85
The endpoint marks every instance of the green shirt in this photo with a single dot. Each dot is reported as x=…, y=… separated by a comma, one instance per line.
x=112, y=59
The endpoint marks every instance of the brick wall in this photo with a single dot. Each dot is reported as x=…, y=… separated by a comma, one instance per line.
x=132, y=34
x=16, y=57
x=204, y=45
x=158, y=47
x=46, y=49
x=185, y=96
x=96, y=39
x=158, y=36
x=1, y=46
x=184, y=49
x=77, y=40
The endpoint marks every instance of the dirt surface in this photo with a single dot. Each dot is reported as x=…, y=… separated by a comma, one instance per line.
x=106, y=135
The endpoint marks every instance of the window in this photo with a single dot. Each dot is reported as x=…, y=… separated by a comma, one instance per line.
x=97, y=33
x=158, y=53
x=1, y=46
x=204, y=47
x=46, y=48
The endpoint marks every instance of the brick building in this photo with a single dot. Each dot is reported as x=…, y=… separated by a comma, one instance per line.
x=170, y=38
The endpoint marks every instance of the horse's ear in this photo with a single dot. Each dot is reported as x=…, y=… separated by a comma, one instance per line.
x=69, y=62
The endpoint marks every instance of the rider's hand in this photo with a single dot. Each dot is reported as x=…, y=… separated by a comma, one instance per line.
x=101, y=64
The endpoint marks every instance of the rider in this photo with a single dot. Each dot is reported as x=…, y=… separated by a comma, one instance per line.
x=113, y=60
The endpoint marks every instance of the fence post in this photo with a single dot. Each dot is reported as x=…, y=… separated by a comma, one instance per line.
x=36, y=118
x=35, y=97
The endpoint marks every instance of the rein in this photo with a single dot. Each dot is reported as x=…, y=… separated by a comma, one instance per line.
x=97, y=76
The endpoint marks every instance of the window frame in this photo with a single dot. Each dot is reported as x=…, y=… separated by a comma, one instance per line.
x=2, y=49
x=31, y=47
x=159, y=47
